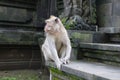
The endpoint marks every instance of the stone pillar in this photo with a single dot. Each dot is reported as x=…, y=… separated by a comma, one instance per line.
x=108, y=13
x=45, y=8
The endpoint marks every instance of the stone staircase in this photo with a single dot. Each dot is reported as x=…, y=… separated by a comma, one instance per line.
x=99, y=52
x=94, y=57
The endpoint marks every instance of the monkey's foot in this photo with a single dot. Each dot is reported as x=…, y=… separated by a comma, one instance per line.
x=58, y=64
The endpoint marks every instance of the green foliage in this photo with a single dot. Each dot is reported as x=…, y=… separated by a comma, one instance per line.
x=19, y=75
x=68, y=24
x=8, y=78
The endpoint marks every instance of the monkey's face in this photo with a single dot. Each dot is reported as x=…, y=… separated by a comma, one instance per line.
x=52, y=25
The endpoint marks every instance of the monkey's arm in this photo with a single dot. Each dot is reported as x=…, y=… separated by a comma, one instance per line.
x=54, y=54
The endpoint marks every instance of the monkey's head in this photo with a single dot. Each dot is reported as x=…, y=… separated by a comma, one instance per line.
x=53, y=25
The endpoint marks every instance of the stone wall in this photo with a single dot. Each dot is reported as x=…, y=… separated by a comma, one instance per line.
x=108, y=15
x=18, y=37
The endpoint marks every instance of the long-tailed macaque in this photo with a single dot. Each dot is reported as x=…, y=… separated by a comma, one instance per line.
x=57, y=46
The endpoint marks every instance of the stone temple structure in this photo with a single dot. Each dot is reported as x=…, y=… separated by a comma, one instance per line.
x=95, y=54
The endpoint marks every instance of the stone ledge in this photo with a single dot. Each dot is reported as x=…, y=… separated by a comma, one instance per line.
x=110, y=30
x=90, y=70
x=100, y=46
x=20, y=37
x=87, y=36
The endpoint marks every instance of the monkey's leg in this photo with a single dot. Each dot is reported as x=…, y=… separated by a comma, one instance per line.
x=50, y=56
x=62, y=54
x=54, y=54
x=55, y=57
x=46, y=52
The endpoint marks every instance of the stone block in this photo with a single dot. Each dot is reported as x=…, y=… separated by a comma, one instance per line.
x=116, y=8
x=110, y=30
x=115, y=38
x=115, y=21
x=105, y=9
x=13, y=14
x=99, y=2
x=101, y=46
x=85, y=37
x=19, y=37
x=105, y=21
x=74, y=53
x=109, y=56
x=104, y=53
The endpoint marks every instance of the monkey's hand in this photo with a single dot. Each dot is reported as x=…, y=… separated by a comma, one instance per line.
x=65, y=60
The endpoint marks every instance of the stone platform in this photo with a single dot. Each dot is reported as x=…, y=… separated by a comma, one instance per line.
x=90, y=70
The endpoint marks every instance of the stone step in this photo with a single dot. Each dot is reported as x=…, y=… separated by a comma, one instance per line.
x=88, y=70
x=100, y=46
x=114, y=38
x=104, y=53
x=110, y=30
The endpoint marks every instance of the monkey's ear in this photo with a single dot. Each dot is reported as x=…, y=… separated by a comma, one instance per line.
x=56, y=20
x=47, y=21
x=52, y=16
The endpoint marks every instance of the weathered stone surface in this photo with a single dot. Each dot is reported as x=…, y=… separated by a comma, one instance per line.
x=105, y=21
x=110, y=30
x=19, y=37
x=108, y=13
x=13, y=14
x=86, y=36
x=28, y=4
x=115, y=38
x=74, y=53
x=116, y=21
x=104, y=53
x=99, y=46
x=17, y=13
x=90, y=70
x=105, y=9
x=99, y=2
x=60, y=75
x=116, y=7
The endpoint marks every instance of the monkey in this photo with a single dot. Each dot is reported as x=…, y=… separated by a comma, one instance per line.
x=57, y=45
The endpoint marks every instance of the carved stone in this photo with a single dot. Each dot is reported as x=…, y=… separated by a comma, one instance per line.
x=108, y=15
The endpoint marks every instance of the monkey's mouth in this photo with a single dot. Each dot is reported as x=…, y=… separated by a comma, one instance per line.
x=51, y=32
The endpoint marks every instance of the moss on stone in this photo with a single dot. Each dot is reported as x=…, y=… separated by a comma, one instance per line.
x=24, y=38
x=60, y=75
x=81, y=36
